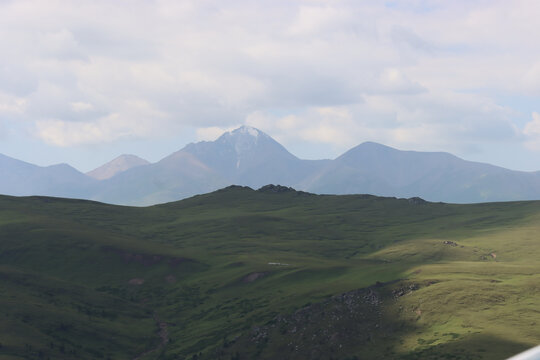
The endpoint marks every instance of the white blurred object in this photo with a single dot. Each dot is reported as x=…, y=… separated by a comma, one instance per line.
x=532, y=354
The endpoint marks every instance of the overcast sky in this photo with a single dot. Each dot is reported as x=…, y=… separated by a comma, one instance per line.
x=85, y=81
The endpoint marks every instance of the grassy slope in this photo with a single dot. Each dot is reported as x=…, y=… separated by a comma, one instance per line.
x=78, y=257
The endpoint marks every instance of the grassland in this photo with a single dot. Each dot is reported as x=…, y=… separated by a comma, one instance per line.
x=241, y=274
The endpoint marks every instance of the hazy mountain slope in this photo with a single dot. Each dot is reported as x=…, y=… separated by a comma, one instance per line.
x=248, y=156
x=247, y=274
x=245, y=156
x=381, y=170
x=177, y=176
x=116, y=166
x=21, y=178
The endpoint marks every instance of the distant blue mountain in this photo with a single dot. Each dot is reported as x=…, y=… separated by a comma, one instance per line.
x=20, y=178
x=436, y=176
x=116, y=166
x=247, y=156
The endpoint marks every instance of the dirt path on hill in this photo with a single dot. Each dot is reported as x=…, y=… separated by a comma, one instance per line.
x=163, y=334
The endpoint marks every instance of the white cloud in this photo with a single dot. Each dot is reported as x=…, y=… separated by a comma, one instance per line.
x=109, y=128
x=316, y=19
x=394, y=81
x=531, y=79
x=80, y=106
x=59, y=44
x=532, y=132
x=430, y=122
x=212, y=133
x=11, y=105
x=321, y=72
x=114, y=126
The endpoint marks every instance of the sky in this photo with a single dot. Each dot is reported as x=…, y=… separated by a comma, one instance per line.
x=82, y=82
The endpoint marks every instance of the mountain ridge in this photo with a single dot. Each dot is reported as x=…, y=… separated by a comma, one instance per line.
x=20, y=178
x=247, y=156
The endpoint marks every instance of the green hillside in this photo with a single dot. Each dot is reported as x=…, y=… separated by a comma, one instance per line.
x=272, y=274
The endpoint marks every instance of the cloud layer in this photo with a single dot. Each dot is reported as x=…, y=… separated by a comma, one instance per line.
x=413, y=74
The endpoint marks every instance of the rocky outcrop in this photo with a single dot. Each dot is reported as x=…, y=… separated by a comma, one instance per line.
x=334, y=328
x=278, y=189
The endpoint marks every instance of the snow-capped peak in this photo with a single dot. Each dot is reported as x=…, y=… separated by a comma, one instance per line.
x=246, y=130
x=244, y=140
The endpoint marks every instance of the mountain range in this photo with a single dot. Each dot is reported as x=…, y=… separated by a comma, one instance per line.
x=249, y=157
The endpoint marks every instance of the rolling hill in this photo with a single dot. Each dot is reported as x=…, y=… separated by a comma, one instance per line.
x=273, y=273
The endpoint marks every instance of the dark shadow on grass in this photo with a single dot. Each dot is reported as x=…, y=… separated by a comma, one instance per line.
x=356, y=325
